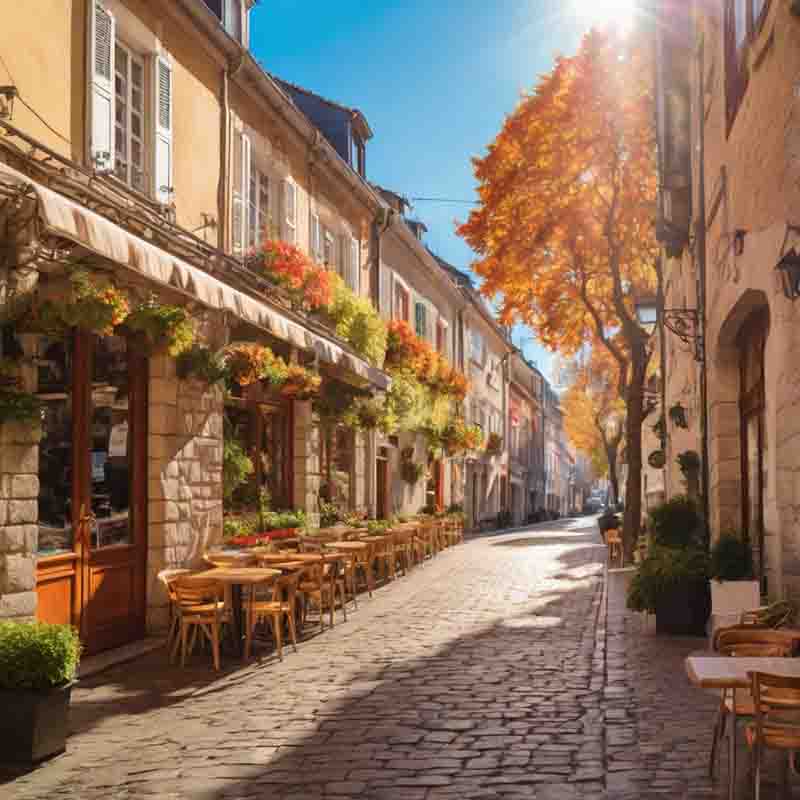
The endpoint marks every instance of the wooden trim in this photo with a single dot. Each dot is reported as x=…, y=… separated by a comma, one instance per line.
x=81, y=399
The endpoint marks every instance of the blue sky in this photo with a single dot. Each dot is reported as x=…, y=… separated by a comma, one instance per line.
x=435, y=79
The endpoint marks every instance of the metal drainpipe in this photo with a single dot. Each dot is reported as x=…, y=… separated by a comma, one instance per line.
x=222, y=188
x=700, y=244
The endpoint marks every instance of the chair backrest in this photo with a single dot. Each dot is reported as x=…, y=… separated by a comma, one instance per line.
x=776, y=703
x=734, y=641
x=196, y=592
x=775, y=615
x=288, y=584
x=757, y=650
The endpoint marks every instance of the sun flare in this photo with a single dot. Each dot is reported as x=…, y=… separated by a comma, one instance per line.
x=606, y=13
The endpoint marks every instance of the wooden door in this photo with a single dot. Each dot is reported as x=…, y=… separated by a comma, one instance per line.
x=96, y=580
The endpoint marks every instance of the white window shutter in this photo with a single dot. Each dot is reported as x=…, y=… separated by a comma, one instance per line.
x=355, y=265
x=163, y=97
x=245, y=191
x=289, y=224
x=386, y=291
x=102, y=35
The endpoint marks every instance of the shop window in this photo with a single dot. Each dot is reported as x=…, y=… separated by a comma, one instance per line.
x=337, y=466
x=55, y=365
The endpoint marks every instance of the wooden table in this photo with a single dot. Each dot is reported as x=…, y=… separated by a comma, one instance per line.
x=230, y=558
x=725, y=672
x=236, y=577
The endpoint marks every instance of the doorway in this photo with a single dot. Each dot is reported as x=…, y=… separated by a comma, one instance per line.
x=93, y=488
x=752, y=401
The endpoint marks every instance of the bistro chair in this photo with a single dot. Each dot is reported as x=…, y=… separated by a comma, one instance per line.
x=739, y=703
x=775, y=616
x=281, y=605
x=168, y=577
x=320, y=586
x=404, y=549
x=776, y=723
x=201, y=607
x=614, y=542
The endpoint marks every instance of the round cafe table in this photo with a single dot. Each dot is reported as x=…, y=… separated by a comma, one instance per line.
x=236, y=578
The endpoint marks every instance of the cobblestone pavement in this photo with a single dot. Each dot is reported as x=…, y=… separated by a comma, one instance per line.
x=483, y=674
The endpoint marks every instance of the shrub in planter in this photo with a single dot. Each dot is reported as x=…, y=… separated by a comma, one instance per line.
x=201, y=363
x=162, y=326
x=38, y=663
x=676, y=523
x=733, y=588
x=672, y=583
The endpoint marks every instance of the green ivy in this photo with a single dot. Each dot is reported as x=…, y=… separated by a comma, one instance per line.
x=203, y=363
x=357, y=322
x=162, y=326
x=37, y=655
x=237, y=467
x=19, y=407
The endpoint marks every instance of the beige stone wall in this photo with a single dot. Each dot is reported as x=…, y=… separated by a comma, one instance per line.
x=19, y=515
x=184, y=477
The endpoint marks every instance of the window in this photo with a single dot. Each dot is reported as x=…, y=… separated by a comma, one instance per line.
x=289, y=212
x=743, y=20
x=315, y=237
x=338, y=460
x=358, y=154
x=441, y=337
x=129, y=127
x=240, y=205
x=329, y=250
x=351, y=260
x=477, y=347
x=401, y=302
x=229, y=13
x=259, y=219
x=421, y=320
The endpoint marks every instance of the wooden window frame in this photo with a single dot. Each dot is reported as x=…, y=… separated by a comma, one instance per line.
x=402, y=305
x=737, y=78
x=143, y=140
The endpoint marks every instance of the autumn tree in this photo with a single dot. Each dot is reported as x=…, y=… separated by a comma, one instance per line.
x=594, y=413
x=565, y=225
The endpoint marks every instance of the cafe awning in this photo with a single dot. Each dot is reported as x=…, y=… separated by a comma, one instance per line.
x=62, y=217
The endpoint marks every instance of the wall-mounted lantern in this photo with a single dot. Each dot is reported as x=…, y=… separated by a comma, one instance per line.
x=789, y=268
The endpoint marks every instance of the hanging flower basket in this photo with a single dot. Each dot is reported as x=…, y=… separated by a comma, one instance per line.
x=307, y=285
x=678, y=416
x=89, y=304
x=657, y=459
x=689, y=462
x=201, y=363
x=494, y=444
x=249, y=362
x=301, y=383
x=163, y=327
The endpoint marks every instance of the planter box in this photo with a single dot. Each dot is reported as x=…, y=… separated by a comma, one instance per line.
x=34, y=724
x=734, y=597
x=684, y=609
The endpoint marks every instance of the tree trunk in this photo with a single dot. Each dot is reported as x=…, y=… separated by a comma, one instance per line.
x=633, y=449
x=611, y=457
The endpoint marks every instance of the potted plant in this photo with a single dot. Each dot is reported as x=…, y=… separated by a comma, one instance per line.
x=201, y=363
x=733, y=587
x=677, y=414
x=162, y=326
x=38, y=663
x=657, y=459
x=672, y=580
x=494, y=444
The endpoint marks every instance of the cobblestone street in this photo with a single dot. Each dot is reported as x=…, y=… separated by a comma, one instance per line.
x=484, y=674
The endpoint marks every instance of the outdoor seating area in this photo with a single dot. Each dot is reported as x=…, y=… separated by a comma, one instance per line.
x=755, y=667
x=249, y=598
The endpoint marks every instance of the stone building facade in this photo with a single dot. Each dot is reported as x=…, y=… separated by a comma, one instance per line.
x=124, y=478
x=729, y=138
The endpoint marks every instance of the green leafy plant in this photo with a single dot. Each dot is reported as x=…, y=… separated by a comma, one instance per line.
x=329, y=514
x=237, y=467
x=676, y=523
x=37, y=655
x=90, y=304
x=677, y=414
x=357, y=322
x=239, y=525
x=660, y=571
x=731, y=559
x=162, y=325
x=202, y=363
x=660, y=428
x=410, y=471
x=19, y=407
x=657, y=459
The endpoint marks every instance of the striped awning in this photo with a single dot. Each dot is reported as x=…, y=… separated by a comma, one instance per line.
x=65, y=218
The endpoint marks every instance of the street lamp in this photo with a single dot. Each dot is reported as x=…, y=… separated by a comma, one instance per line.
x=647, y=313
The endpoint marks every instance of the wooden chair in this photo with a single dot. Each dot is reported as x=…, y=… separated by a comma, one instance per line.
x=320, y=586
x=404, y=551
x=776, y=723
x=281, y=605
x=201, y=607
x=739, y=703
x=168, y=577
x=383, y=555
x=614, y=542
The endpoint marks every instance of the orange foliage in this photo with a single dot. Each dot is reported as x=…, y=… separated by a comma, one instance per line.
x=565, y=227
x=308, y=285
x=405, y=350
